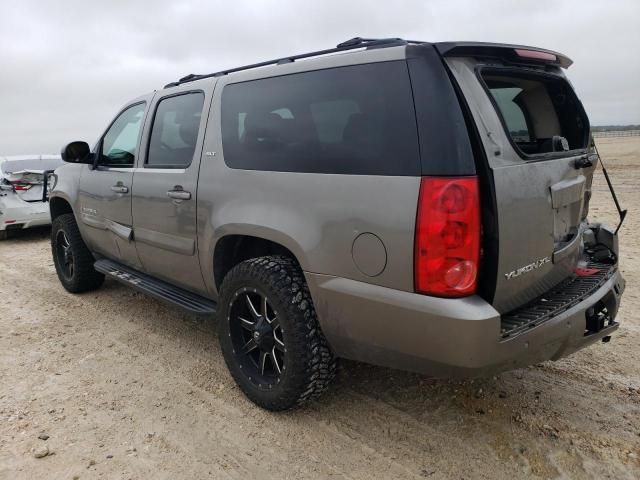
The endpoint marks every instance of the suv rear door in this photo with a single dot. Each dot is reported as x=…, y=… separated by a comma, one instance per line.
x=533, y=129
x=166, y=182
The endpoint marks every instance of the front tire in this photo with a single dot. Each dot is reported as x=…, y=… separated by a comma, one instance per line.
x=270, y=336
x=72, y=258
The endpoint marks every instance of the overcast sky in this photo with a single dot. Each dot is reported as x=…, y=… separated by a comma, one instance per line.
x=67, y=66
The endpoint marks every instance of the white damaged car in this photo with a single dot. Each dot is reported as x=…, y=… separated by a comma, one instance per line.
x=21, y=184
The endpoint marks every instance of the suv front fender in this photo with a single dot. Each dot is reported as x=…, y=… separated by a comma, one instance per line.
x=65, y=189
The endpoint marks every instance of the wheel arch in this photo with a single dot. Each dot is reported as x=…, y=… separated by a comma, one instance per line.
x=59, y=206
x=232, y=249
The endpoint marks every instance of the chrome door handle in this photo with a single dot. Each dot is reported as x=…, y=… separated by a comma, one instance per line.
x=179, y=194
x=119, y=188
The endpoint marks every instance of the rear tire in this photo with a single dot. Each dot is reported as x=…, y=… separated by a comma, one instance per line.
x=71, y=257
x=270, y=336
x=3, y=235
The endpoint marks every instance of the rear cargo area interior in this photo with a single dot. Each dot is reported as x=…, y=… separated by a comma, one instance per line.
x=541, y=113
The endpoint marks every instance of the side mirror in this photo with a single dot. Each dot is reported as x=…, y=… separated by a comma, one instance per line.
x=77, y=152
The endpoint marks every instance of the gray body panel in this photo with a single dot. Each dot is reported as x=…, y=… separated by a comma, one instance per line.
x=443, y=337
x=315, y=216
x=353, y=236
x=166, y=234
x=104, y=213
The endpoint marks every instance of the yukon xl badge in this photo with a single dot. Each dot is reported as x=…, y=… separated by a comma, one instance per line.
x=527, y=268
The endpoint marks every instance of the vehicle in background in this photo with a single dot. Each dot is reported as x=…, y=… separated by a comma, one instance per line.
x=21, y=184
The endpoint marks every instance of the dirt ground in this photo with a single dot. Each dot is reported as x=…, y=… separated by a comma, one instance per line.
x=127, y=387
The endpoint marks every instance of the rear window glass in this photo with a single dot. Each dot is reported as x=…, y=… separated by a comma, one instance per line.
x=351, y=120
x=541, y=114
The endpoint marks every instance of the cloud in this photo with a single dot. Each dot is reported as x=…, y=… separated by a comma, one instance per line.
x=68, y=66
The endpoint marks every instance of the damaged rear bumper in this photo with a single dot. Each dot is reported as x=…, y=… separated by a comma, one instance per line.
x=17, y=215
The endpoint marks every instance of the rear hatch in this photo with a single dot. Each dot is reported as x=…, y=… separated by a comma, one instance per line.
x=535, y=136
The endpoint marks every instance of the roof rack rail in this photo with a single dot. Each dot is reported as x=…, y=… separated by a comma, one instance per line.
x=351, y=44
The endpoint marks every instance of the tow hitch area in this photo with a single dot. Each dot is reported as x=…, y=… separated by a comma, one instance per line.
x=601, y=315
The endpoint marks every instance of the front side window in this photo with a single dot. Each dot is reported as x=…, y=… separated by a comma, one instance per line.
x=541, y=114
x=175, y=131
x=351, y=120
x=120, y=143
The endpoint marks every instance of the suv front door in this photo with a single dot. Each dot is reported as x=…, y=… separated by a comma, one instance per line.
x=105, y=191
x=165, y=188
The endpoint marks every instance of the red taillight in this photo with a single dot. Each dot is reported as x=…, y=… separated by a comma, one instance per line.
x=447, y=243
x=22, y=186
x=536, y=55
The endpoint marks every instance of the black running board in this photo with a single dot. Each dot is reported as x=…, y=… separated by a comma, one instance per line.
x=156, y=288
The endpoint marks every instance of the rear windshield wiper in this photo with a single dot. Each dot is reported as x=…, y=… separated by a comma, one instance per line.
x=622, y=213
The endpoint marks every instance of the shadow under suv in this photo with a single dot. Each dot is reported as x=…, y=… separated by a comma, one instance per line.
x=416, y=205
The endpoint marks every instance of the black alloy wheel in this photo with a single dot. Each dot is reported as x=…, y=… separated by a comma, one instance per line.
x=270, y=335
x=257, y=337
x=71, y=257
x=64, y=254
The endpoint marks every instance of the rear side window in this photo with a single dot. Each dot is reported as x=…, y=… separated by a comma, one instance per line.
x=175, y=130
x=541, y=113
x=349, y=120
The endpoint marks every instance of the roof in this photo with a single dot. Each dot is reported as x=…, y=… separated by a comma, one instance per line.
x=351, y=44
x=481, y=49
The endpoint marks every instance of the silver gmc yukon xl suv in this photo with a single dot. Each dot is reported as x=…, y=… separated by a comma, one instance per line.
x=416, y=205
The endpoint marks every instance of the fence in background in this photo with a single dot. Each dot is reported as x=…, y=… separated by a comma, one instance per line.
x=616, y=133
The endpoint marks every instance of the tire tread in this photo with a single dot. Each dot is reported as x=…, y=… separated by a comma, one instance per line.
x=318, y=363
x=85, y=277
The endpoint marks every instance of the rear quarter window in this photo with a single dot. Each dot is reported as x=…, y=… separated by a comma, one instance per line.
x=348, y=120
